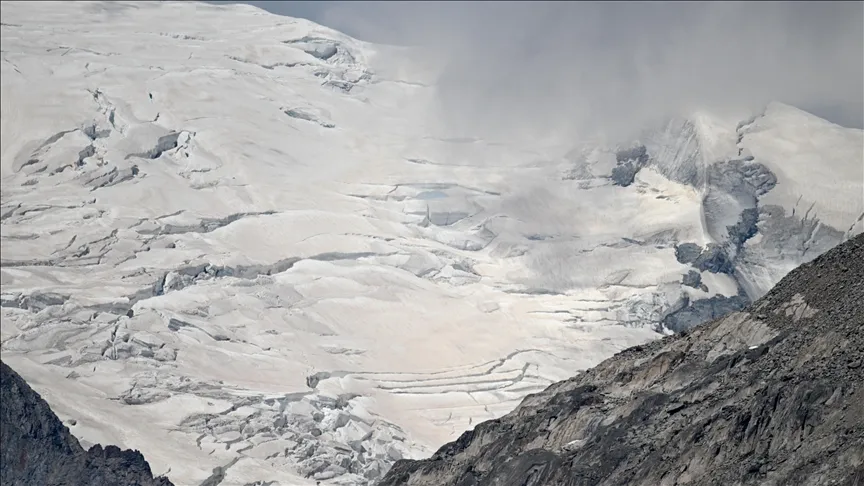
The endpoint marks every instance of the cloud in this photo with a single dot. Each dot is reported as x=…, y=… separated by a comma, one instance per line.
x=538, y=69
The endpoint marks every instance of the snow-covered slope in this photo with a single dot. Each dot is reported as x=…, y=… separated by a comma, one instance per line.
x=240, y=241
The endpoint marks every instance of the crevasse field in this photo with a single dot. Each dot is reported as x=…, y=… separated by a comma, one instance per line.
x=247, y=246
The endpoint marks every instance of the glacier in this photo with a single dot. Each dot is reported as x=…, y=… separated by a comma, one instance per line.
x=242, y=243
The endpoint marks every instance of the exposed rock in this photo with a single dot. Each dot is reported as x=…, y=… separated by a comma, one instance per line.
x=687, y=252
x=698, y=311
x=218, y=474
x=769, y=396
x=37, y=449
x=714, y=259
x=630, y=161
x=693, y=279
x=88, y=151
x=745, y=228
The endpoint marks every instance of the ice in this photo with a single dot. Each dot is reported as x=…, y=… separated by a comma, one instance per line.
x=791, y=142
x=233, y=240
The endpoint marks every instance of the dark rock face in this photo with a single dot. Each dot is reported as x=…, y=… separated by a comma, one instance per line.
x=630, y=161
x=714, y=259
x=703, y=310
x=38, y=450
x=694, y=279
x=772, y=395
x=687, y=252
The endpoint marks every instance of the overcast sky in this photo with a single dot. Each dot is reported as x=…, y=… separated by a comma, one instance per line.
x=615, y=65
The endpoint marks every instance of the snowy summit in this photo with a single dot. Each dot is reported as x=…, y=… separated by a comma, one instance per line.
x=241, y=244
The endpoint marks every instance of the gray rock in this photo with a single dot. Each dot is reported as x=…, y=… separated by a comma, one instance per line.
x=88, y=151
x=37, y=449
x=630, y=161
x=714, y=259
x=773, y=395
x=692, y=279
x=703, y=310
x=687, y=252
x=745, y=228
x=624, y=174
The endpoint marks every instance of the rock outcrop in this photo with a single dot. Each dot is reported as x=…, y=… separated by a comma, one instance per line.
x=771, y=395
x=37, y=449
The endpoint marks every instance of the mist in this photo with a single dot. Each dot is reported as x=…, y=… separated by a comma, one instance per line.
x=538, y=69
